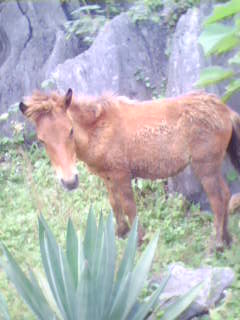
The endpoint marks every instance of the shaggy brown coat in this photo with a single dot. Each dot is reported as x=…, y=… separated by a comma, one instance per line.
x=120, y=139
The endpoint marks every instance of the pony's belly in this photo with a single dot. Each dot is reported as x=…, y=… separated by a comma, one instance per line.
x=158, y=168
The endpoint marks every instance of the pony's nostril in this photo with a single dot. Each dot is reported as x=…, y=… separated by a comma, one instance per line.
x=70, y=185
x=75, y=181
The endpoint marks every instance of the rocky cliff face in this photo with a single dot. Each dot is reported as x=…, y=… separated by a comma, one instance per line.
x=121, y=59
x=32, y=43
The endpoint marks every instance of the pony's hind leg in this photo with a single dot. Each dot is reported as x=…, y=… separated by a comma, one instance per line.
x=226, y=235
x=218, y=195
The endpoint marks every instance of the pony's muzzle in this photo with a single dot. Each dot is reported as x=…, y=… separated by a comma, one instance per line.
x=72, y=184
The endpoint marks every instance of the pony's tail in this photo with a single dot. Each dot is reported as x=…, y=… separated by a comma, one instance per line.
x=234, y=145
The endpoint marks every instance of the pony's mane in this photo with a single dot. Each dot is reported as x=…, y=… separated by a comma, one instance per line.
x=106, y=100
x=40, y=103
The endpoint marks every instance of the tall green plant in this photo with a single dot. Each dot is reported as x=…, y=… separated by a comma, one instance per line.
x=218, y=38
x=82, y=283
x=3, y=309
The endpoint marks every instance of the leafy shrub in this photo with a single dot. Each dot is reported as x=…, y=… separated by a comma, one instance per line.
x=219, y=38
x=167, y=11
x=146, y=10
x=89, y=19
x=82, y=283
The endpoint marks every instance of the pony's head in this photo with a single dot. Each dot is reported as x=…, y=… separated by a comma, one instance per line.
x=55, y=131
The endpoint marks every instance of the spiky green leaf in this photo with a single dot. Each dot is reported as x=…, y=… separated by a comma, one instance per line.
x=212, y=75
x=233, y=87
x=109, y=264
x=57, y=270
x=218, y=38
x=140, y=272
x=120, y=300
x=44, y=285
x=99, y=270
x=83, y=308
x=127, y=262
x=72, y=251
x=149, y=305
x=235, y=59
x=90, y=238
x=29, y=292
x=173, y=311
x=224, y=11
x=4, y=315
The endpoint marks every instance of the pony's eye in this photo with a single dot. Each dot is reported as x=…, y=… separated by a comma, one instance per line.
x=40, y=140
x=71, y=133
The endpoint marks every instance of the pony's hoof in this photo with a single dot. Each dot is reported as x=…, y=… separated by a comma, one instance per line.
x=219, y=247
x=228, y=240
x=123, y=230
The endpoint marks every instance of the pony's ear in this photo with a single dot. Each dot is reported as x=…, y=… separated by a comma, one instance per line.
x=22, y=107
x=68, y=98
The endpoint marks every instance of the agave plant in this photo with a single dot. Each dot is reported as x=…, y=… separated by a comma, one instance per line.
x=83, y=284
x=3, y=309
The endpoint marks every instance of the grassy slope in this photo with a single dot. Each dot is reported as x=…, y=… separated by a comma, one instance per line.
x=28, y=186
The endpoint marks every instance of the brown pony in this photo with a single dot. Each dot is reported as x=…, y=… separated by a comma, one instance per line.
x=120, y=139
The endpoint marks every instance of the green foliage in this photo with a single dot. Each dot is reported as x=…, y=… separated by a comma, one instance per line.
x=213, y=74
x=4, y=315
x=139, y=75
x=18, y=129
x=87, y=21
x=83, y=282
x=181, y=304
x=89, y=18
x=145, y=80
x=224, y=11
x=144, y=10
x=218, y=38
x=28, y=186
x=167, y=11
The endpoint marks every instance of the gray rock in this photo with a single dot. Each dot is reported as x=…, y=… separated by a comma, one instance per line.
x=32, y=43
x=186, y=59
x=185, y=64
x=120, y=50
x=182, y=279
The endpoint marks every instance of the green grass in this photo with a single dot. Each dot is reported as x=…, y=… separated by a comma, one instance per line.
x=28, y=186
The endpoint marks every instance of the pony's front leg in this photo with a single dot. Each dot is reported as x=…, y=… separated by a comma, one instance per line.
x=114, y=198
x=122, y=201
